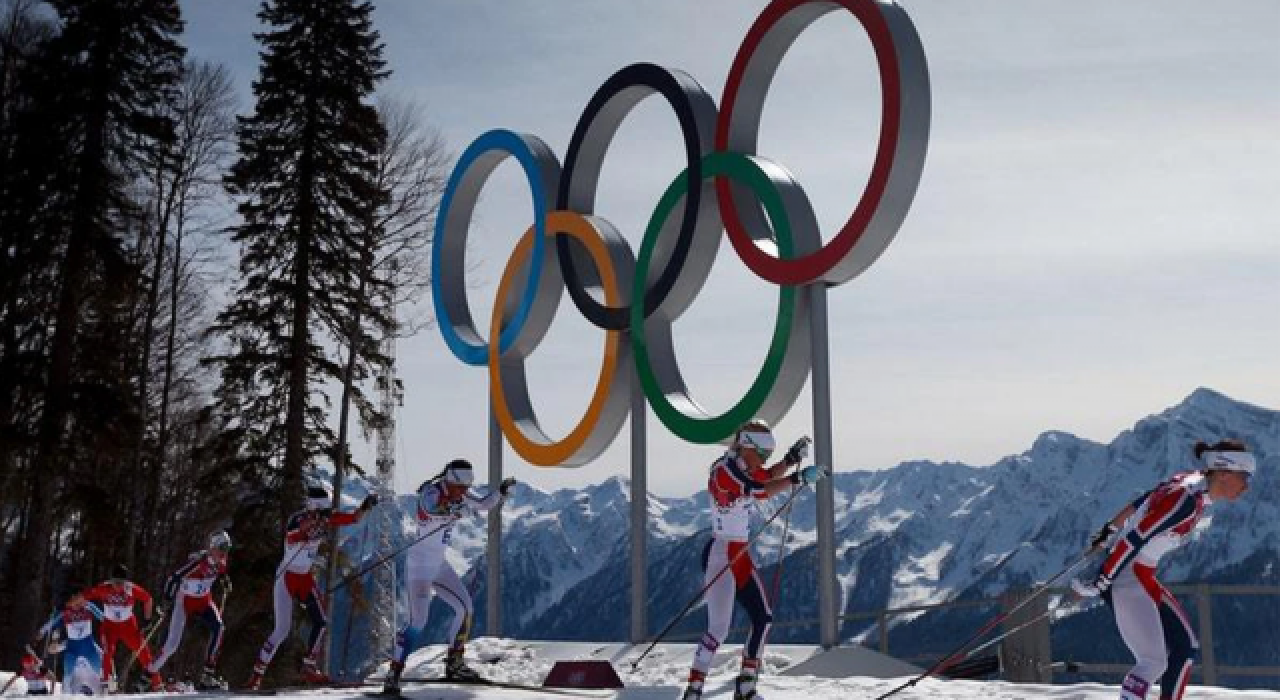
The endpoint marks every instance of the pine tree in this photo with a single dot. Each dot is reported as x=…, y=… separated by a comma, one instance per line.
x=91, y=121
x=305, y=183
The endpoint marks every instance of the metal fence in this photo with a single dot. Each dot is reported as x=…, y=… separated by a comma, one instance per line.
x=1207, y=666
x=1202, y=593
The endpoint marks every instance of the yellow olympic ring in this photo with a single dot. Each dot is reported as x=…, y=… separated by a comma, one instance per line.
x=526, y=437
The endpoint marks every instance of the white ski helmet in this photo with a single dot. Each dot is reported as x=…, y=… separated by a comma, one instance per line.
x=458, y=473
x=755, y=435
x=319, y=498
x=220, y=541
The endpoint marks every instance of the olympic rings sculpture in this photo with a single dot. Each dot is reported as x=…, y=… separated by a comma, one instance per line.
x=725, y=186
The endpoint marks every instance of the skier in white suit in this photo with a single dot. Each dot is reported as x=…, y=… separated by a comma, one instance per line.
x=442, y=501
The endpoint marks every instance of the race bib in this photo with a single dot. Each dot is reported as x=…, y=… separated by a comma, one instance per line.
x=197, y=586
x=79, y=629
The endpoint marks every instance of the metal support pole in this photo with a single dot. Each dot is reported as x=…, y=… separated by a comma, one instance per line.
x=639, y=515
x=493, y=551
x=820, y=383
x=1026, y=652
x=1208, y=662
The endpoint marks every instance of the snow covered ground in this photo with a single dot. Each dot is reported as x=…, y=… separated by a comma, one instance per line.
x=662, y=673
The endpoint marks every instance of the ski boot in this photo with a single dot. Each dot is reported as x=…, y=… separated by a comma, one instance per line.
x=693, y=691
x=311, y=673
x=210, y=680
x=455, y=669
x=255, y=678
x=156, y=684
x=746, y=686
x=391, y=686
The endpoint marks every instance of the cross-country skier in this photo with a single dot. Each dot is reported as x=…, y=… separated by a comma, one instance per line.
x=304, y=532
x=1151, y=621
x=117, y=596
x=737, y=479
x=442, y=501
x=81, y=657
x=189, y=591
x=39, y=679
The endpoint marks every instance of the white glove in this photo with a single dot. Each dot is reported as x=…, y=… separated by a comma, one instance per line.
x=1091, y=589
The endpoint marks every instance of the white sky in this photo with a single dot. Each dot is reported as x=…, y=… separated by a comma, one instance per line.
x=1095, y=234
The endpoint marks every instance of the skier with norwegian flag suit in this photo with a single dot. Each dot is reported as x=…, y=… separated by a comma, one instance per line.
x=737, y=480
x=304, y=532
x=190, y=591
x=442, y=501
x=1151, y=622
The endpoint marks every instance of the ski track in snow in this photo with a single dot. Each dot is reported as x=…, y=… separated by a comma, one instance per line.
x=662, y=674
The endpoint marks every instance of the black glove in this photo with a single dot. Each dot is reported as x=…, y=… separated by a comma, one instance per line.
x=506, y=485
x=226, y=585
x=369, y=502
x=1101, y=537
x=798, y=452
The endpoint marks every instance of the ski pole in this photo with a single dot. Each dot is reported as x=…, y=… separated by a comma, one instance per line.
x=385, y=559
x=146, y=640
x=698, y=596
x=958, y=654
x=782, y=553
x=1005, y=635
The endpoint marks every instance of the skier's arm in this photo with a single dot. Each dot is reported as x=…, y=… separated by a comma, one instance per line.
x=483, y=504
x=175, y=580
x=96, y=593
x=143, y=596
x=49, y=626
x=353, y=517
x=793, y=457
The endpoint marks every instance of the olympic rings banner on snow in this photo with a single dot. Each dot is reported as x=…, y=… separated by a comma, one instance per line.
x=725, y=186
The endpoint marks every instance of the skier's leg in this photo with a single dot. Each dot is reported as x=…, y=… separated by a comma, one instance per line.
x=212, y=618
x=419, y=606
x=449, y=587
x=110, y=636
x=177, y=622
x=719, y=599
x=419, y=588
x=319, y=620
x=283, y=608
x=451, y=590
x=1138, y=619
x=752, y=597
x=1182, y=645
x=319, y=623
x=133, y=639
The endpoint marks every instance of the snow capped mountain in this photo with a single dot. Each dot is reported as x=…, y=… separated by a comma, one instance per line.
x=919, y=532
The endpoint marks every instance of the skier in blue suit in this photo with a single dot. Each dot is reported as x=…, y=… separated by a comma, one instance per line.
x=81, y=656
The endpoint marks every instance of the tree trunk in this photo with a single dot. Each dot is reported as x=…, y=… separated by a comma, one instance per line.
x=29, y=600
x=138, y=499
x=344, y=412
x=296, y=416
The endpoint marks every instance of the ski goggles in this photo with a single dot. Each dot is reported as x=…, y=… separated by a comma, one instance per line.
x=762, y=443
